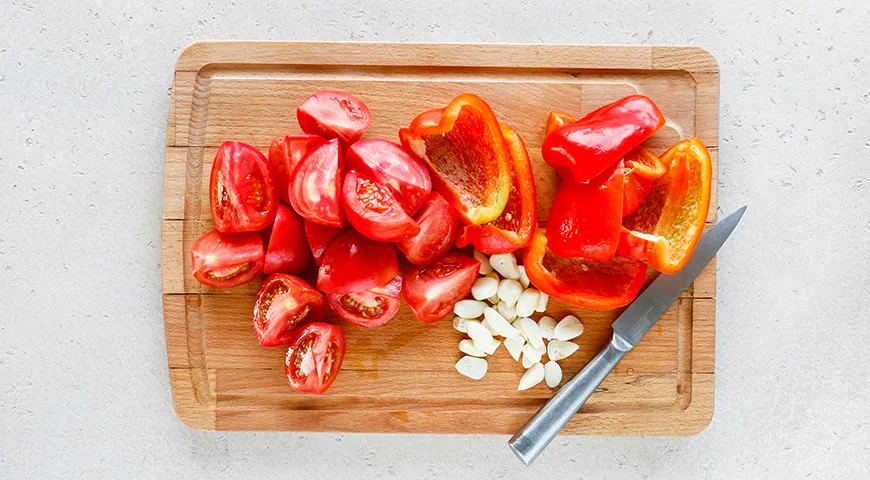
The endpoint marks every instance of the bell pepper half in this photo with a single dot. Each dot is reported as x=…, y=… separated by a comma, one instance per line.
x=667, y=226
x=581, y=282
x=584, y=148
x=464, y=148
x=513, y=229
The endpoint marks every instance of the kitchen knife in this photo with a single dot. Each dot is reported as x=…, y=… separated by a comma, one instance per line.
x=628, y=329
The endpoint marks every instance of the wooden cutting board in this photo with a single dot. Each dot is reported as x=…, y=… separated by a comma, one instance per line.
x=400, y=377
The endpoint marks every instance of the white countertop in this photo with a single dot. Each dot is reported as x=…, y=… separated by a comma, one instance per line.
x=84, y=94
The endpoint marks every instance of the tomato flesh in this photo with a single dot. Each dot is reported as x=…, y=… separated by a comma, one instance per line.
x=284, y=154
x=439, y=227
x=373, y=210
x=371, y=308
x=432, y=291
x=226, y=260
x=332, y=114
x=314, y=358
x=388, y=164
x=242, y=193
x=319, y=237
x=288, y=250
x=354, y=263
x=315, y=186
x=283, y=302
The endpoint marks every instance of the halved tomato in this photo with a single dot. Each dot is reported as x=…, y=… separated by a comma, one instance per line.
x=371, y=308
x=284, y=154
x=373, y=210
x=333, y=114
x=283, y=302
x=388, y=164
x=439, y=227
x=354, y=263
x=287, y=251
x=226, y=260
x=242, y=192
x=314, y=357
x=319, y=237
x=432, y=291
x=315, y=186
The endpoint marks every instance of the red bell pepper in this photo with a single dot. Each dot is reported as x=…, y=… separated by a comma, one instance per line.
x=513, y=229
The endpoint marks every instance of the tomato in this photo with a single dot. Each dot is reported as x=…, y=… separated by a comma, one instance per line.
x=388, y=164
x=354, y=263
x=334, y=114
x=315, y=186
x=226, y=260
x=373, y=210
x=242, y=192
x=314, y=357
x=284, y=154
x=287, y=251
x=439, y=227
x=371, y=308
x=283, y=302
x=432, y=291
x=319, y=237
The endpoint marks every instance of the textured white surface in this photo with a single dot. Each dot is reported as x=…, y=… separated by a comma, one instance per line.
x=84, y=95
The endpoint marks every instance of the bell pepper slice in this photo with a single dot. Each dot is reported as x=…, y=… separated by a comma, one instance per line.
x=666, y=228
x=466, y=153
x=585, y=218
x=513, y=229
x=583, y=149
x=581, y=282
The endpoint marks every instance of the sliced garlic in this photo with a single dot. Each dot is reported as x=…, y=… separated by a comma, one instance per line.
x=471, y=367
x=514, y=346
x=499, y=324
x=509, y=313
x=460, y=324
x=524, y=278
x=506, y=265
x=559, y=349
x=533, y=376
x=480, y=335
x=568, y=328
x=485, y=267
x=518, y=324
x=547, y=325
x=469, y=308
x=509, y=291
x=527, y=302
x=484, y=287
x=467, y=347
x=552, y=374
x=489, y=327
x=492, y=347
x=542, y=302
x=542, y=350
x=531, y=354
x=493, y=299
x=533, y=332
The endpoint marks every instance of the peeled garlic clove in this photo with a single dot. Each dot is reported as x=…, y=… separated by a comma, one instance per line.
x=489, y=327
x=527, y=302
x=533, y=333
x=559, y=349
x=514, y=346
x=469, y=308
x=485, y=267
x=531, y=353
x=547, y=326
x=509, y=291
x=484, y=287
x=509, y=313
x=568, y=328
x=543, y=298
x=480, y=335
x=506, y=265
x=460, y=324
x=467, y=347
x=471, y=367
x=524, y=279
x=533, y=376
x=493, y=300
x=499, y=324
x=518, y=324
x=552, y=374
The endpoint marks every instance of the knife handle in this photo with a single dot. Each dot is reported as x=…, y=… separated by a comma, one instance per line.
x=552, y=417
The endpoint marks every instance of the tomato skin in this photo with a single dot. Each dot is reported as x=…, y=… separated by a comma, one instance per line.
x=439, y=227
x=371, y=308
x=226, y=260
x=242, y=192
x=354, y=263
x=388, y=164
x=332, y=114
x=318, y=348
x=287, y=250
x=315, y=185
x=432, y=291
x=319, y=237
x=285, y=153
x=373, y=210
x=283, y=302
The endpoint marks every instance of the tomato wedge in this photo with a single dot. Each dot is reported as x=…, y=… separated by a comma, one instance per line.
x=283, y=302
x=432, y=291
x=354, y=263
x=371, y=308
x=333, y=114
x=284, y=154
x=373, y=210
x=242, y=194
x=315, y=187
x=314, y=357
x=319, y=237
x=287, y=251
x=390, y=165
x=439, y=227
x=226, y=260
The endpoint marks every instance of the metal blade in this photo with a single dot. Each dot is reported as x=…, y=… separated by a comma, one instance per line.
x=643, y=313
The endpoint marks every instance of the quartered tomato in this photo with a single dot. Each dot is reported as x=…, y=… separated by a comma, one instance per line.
x=284, y=154
x=315, y=186
x=332, y=114
x=354, y=263
x=283, y=302
x=226, y=260
x=371, y=308
x=390, y=165
x=432, y=291
x=314, y=357
x=439, y=227
x=287, y=251
x=373, y=210
x=242, y=192
x=319, y=237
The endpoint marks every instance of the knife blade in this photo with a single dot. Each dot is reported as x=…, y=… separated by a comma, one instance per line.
x=628, y=329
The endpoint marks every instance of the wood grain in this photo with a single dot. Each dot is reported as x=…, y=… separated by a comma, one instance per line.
x=400, y=377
